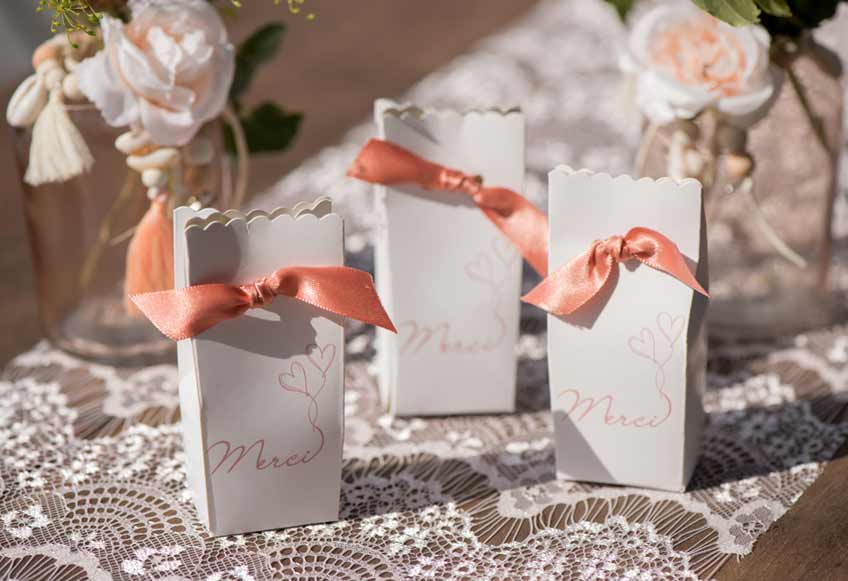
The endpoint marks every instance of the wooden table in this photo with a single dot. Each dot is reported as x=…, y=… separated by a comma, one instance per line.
x=808, y=542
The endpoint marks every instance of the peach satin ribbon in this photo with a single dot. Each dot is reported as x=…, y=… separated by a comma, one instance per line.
x=186, y=312
x=383, y=162
x=573, y=285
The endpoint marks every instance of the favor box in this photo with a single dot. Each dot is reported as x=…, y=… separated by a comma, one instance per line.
x=261, y=394
x=448, y=277
x=627, y=370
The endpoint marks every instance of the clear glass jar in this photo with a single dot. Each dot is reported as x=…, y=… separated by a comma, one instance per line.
x=771, y=244
x=79, y=232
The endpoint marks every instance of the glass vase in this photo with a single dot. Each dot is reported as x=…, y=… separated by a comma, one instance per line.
x=771, y=237
x=79, y=232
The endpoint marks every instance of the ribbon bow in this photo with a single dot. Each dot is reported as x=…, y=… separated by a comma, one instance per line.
x=186, y=312
x=383, y=162
x=573, y=285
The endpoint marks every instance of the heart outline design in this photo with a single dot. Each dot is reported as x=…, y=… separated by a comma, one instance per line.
x=291, y=385
x=481, y=269
x=310, y=355
x=505, y=251
x=670, y=327
x=644, y=345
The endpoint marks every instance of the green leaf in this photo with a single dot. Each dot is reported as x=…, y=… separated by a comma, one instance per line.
x=735, y=12
x=622, y=7
x=267, y=128
x=775, y=7
x=258, y=49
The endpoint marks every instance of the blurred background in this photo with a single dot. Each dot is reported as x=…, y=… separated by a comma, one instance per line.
x=315, y=78
x=329, y=68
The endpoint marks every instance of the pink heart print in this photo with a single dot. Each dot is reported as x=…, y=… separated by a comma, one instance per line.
x=321, y=357
x=670, y=327
x=295, y=380
x=481, y=269
x=505, y=251
x=643, y=345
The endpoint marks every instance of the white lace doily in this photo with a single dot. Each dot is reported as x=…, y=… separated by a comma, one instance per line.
x=92, y=482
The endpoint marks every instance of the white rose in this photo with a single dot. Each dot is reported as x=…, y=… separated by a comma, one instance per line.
x=685, y=61
x=169, y=69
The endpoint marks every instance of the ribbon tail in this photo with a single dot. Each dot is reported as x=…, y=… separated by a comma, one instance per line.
x=184, y=313
x=383, y=162
x=541, y=296
x=345, y=291
x=681, y=272
x=667, y=258
x=372, y=313
x=523, y=223
x=161, y=309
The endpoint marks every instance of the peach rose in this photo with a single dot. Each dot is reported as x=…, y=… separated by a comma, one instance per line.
x=169, y=69
x=685, y=61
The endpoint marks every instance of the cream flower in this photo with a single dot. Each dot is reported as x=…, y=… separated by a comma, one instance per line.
x=686, y=61
x=169, y=69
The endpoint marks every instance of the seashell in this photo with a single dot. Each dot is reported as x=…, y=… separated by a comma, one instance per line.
x=693, y=162
x=731, y=139
x=70, y=87
x=738, y=165
x=199, y=152
x=71, y=64
x=27, y=102
x=685, y=159
x=154, y=178
x=61, y=40
x=48, y=51
x=687, y=127
x=159, y=159
x=47, y=66
x=132, y=142
x=681, y=139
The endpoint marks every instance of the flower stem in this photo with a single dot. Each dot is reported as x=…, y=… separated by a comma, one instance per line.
x=817, y=125
x=104, y=233
x=771, y=235
x=242, y=153
x=647, y=142
x=815, y=121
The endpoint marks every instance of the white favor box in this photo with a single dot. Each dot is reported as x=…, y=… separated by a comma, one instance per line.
x=450, y=280
x=261, y=395
x=627, y=370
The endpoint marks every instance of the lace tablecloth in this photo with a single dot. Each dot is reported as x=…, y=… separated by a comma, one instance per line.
x=92, y=481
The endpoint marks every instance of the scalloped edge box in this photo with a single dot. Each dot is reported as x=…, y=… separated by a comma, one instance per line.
x=448, y=277
x=261, y=395
x=627, y=372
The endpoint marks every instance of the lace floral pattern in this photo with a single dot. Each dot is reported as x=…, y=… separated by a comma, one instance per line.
x=441, y=498
x=92, y=482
